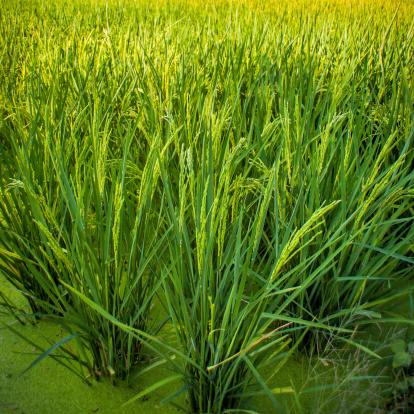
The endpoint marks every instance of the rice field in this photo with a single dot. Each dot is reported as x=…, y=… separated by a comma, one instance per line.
x=198, y=194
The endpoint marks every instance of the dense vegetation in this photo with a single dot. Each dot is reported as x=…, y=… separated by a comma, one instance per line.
x=251, y=164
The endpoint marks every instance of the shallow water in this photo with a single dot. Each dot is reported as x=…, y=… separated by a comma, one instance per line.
x=51, y=388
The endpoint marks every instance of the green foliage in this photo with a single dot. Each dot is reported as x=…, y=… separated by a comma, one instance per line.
x=403, y=353
x=251, y=165
x=403, y=372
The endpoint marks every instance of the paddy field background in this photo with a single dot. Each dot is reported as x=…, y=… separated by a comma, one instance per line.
x=206, y=206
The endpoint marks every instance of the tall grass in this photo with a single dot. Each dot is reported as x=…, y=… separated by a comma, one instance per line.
x=254, y=164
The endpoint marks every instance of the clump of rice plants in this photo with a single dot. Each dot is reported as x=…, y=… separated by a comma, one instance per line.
x=220, y=301
x=210, y=287
x=101, y=246
x=83, y=226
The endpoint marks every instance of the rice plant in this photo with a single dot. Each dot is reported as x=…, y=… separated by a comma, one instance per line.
x=86, y=233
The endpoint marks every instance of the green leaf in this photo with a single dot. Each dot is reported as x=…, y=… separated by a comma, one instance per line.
x=401, y=358
x=154, y=387
x=402, y=385
x=397, y=345
x=49, y=351
x=387, y=252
